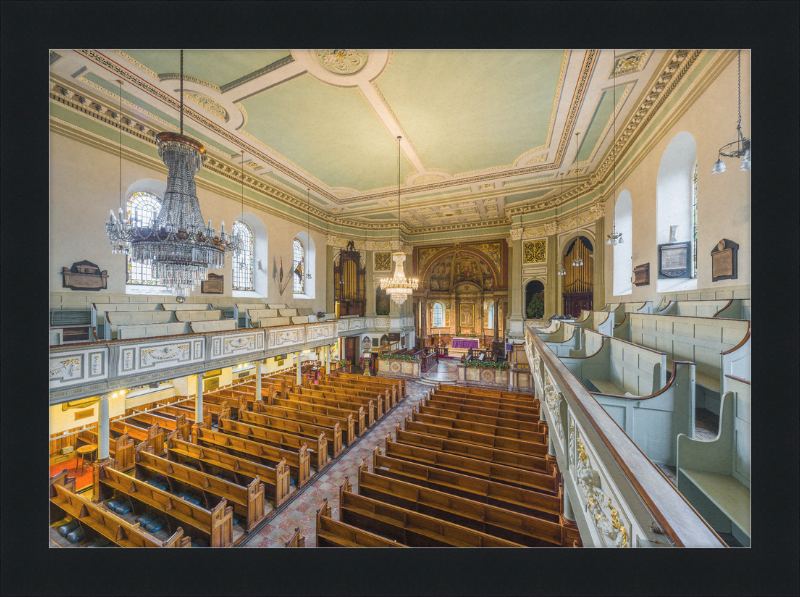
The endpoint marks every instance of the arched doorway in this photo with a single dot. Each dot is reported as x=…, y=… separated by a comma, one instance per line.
x=578, y=282
x=532, y=309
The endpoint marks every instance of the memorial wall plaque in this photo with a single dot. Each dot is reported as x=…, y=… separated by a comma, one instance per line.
x=724, y=258
x=641, y=275
x=673, y=260
x=214, y=285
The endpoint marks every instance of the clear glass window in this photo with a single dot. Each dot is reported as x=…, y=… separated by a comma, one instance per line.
x=143, y=207
x=243, y=259
x=438, y=315
x=490, y=323
x=694, y=222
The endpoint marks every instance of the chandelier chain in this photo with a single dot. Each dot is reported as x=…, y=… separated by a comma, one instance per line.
x=181, y=92
x=120, y=143
x=739, y=87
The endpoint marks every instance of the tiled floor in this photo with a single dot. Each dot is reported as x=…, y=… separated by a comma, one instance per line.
x=445, y=371
x=302, y=511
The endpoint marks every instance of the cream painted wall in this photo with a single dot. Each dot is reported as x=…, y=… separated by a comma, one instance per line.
x=84, y=186
x=64, y=420
x=723, y=208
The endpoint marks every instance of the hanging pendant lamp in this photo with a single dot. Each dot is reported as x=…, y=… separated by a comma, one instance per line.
x=615, y=237
x=577, y=262
x=398, y=286
x=178, y=246
x=561, y=270
x=739, y=148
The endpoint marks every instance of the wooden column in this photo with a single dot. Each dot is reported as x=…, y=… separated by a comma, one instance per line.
x=103, y=424
x=198, y=400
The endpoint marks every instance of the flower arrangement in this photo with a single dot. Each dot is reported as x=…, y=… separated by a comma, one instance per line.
x=398, y=357
x=488, y=365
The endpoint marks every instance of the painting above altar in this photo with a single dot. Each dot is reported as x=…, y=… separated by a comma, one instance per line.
x=444, y=267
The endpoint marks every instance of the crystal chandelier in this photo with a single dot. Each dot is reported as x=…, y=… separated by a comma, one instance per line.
x=178, y=246
x=739, y=148
x=577, y=262
x=398, y=286
x=615, y=237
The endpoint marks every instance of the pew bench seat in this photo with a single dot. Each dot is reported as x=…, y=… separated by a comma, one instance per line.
x=730, y=495
x=605, y=386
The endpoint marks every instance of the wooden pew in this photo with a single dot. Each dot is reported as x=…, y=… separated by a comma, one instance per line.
x=178, y=410
x=487, y=429
x=168, y=423
x=115, y=319
x=106, y=524
x=306, y=430
x=485, y=392
x=401, y=383
x=334, y=533
x=413, y=528
x=299, y=462
x=192, y=315
x=347, y=419
x=318, y=450
x=543, y=505
x=137, y=433
x=498, y=408
x=479, y=439
x=276, y=480
x=121, y=449
x=389, y=391
x=248, y=500
x=442, y=413
x=215, y=524
x=374, y=405
x=200, y=327
x=714, y=476
x=346, y=434
x=524, y=461
x=489, y=519
x=502, y=401
x=470, y=408
x=356, y=410
x=540, y=482
x=297, y=540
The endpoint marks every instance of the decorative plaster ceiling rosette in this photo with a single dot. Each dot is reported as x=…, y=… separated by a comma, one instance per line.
x=342, y=62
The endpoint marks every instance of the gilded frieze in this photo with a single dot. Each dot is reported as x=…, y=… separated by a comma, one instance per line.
x=533, y=251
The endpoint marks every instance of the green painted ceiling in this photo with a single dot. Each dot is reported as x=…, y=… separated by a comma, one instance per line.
x=215, y=66
x=328, y=131
x=525, y=196
x=601, y=117
x=470, y=110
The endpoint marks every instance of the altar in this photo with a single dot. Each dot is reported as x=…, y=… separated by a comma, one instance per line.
x=466, y=343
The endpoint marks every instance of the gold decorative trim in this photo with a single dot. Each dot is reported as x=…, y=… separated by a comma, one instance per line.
x=136, y=63
x=636, y=62
x=208, y=104
x=255, y=74
x=244, y=114
x=198, y=80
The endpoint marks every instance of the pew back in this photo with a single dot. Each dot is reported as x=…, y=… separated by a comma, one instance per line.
x=150, y=330
x=199, y=327
x=190, y=315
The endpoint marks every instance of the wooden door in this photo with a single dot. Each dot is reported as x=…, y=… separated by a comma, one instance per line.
x=575, y=302
x=350, y=345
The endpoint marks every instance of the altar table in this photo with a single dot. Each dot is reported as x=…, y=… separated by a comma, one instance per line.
x=466, y=343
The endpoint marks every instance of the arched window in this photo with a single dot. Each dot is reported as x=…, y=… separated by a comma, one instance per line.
x=438, y=315
x=298, y=267
x=694, y=222
x=243, y=259
x=623, y=252
x=675, y=207
x=490, y=316
x=143, y=207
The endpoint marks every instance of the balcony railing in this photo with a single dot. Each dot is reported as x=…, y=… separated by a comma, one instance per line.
x=623, y=498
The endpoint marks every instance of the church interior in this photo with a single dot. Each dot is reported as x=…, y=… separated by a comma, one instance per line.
x=400, y=298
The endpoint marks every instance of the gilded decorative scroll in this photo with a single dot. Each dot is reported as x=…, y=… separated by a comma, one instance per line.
x=534, y=251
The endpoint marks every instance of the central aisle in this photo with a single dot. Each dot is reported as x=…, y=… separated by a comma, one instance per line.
x=302, y=511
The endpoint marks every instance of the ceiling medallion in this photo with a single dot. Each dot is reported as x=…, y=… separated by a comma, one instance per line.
x=342, y=62
x=208, y=104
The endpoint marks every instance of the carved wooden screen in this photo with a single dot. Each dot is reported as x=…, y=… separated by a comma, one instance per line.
x=349, y=283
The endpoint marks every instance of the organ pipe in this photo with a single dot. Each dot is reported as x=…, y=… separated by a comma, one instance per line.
x=578, y=278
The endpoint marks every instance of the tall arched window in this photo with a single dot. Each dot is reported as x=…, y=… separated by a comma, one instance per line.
x=694, y=222
x=490, y=316
x=623, y=252
x=438, y=315
x=674, y=207
x=298, y=267
x=243, y=259
x=143, y=207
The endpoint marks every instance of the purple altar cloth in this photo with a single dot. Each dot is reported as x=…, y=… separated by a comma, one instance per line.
x=466, y=343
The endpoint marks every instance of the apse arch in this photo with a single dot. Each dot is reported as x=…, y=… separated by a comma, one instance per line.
x=623, y=253
x=674, y=194
x=496, y=275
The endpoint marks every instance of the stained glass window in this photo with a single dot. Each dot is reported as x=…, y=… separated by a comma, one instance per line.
x=490, y=323
x=438, y=315
x=694, y=222
x=243, y=259
x=298, y=267
x=143, y=207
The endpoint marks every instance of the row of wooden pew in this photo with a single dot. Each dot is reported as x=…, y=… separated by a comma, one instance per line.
x=219, y=478
x=469, y=468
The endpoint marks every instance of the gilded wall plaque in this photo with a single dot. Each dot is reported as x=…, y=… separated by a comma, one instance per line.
x=724, y=258
x=533, y=251
x=641, y=275
x=383, y=262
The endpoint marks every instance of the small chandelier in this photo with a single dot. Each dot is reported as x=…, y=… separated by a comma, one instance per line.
x=178, y=246
x=398, y=286
x=739, y=148
x=577, y=262
x=615, y=238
